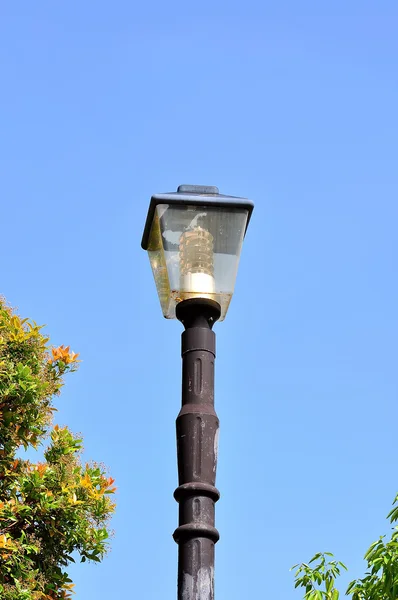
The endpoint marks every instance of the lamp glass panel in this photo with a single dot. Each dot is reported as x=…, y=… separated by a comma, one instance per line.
x=194, y=253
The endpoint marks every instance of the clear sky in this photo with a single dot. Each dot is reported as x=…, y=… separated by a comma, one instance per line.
x=294, y=105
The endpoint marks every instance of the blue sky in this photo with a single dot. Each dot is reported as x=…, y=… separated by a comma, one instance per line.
x=294, y=105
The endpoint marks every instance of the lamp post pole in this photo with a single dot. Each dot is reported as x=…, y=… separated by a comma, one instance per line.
x=197, y=439
x=194, y=239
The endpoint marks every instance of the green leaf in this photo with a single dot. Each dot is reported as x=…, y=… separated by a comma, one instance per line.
x=315, y=557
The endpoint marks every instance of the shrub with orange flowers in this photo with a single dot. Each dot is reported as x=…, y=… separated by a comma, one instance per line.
x=56, y=511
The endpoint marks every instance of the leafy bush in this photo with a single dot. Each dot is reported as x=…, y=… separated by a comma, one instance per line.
x=380, y=581
x=56, y=508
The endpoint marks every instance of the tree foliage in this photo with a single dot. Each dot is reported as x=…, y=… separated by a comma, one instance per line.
x=380, y=581
x=56, y=510
x=318, y=580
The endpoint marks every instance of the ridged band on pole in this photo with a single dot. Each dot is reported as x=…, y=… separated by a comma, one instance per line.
x=197, y=443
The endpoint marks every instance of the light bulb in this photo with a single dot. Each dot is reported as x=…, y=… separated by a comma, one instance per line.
x=196, y=261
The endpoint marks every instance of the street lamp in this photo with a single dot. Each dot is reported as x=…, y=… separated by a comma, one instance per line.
x=194, y=239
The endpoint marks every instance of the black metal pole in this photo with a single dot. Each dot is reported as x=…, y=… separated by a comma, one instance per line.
x=197, y=439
